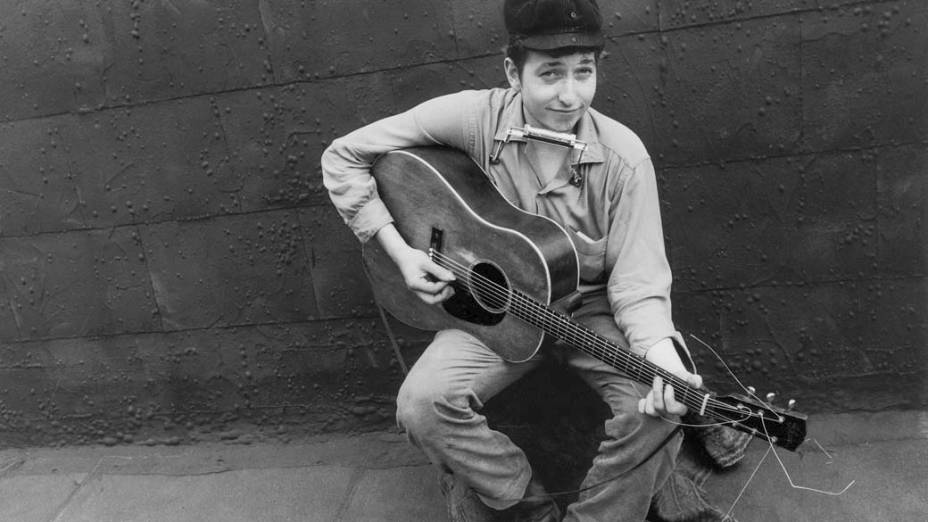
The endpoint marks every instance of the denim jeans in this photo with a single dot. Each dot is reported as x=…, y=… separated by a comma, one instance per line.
x=439, y=403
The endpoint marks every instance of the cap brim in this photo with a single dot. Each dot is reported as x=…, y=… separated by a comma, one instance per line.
x=546, y=42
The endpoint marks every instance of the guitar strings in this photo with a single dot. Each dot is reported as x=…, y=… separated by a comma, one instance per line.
x=830, y=459
x=727, y=368
x=519, y=302
x=747, y=483
x=554, y=321
x=548, y=320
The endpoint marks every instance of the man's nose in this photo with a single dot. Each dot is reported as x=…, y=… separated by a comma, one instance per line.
x=567, y=94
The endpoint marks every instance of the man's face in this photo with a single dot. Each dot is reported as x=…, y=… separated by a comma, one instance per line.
x=556, y=92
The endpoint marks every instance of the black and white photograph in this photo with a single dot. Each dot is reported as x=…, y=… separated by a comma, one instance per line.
x=463, y=260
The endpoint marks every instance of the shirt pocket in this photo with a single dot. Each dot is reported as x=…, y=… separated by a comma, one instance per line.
x=592, y=256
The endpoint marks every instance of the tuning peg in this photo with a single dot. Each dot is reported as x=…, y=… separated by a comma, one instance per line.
x=791, y=404
x=751, y=390
x=771, y=396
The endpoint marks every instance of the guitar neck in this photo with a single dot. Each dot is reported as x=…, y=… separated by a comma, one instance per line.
x=579, y=337
x=784, y=429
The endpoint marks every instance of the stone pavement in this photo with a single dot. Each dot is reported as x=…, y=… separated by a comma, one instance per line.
x=379, y=477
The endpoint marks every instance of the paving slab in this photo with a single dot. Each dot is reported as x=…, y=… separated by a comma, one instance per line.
x=410, y=493
x=298, y=494
x=36, y=498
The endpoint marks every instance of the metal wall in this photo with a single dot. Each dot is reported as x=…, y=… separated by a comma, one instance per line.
x=171, y=270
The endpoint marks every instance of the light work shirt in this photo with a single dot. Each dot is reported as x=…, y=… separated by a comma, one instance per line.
x=613, y=216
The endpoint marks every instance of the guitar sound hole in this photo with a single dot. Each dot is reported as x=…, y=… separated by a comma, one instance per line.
x=490, y=288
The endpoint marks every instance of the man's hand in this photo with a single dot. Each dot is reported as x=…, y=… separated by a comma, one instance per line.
x=422, y=275
x=660, y=399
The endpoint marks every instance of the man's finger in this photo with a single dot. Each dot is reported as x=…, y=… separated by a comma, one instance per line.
x=438, y=272
x=694, y=380
x=429, y=298
x=670, y=402
x=649, y=404
x=425, y=286
x=446, y=293
x=436, y=297
x=657, y=393
x=669, y=396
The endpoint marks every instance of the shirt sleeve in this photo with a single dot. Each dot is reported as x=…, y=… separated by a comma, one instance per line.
x=640, y=279
x=346, y=163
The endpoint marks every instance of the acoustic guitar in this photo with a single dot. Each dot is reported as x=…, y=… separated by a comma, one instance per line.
x=512, y=268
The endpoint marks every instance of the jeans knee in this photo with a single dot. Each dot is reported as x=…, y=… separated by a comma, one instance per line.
x=424, y=405
x=408, y=404
x=415, y=408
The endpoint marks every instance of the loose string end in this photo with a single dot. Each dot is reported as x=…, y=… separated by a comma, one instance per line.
x=771, y=448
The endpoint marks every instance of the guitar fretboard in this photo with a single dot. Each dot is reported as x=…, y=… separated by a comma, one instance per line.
x=584, y=339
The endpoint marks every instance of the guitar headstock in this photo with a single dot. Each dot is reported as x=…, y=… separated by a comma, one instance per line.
x=784, y=428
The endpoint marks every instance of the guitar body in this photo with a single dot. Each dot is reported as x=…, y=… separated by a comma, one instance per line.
x=441, y=199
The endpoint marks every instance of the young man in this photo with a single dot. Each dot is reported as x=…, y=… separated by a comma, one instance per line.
x=606, y=198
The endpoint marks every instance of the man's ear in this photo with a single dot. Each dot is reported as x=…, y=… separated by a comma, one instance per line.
x=512, y=74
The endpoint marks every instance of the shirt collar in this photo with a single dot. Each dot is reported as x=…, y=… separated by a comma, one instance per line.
x=512, y=117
